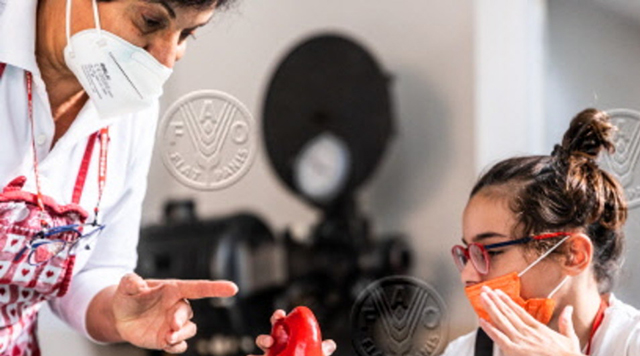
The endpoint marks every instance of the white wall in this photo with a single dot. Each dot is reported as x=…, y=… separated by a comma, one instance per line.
x=509, y=79
x=593, y=61
x=422, y=185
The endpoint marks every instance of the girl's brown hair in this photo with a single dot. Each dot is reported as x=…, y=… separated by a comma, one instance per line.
x=568, y=191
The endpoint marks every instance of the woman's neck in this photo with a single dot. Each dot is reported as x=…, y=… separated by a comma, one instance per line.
x=66, y=95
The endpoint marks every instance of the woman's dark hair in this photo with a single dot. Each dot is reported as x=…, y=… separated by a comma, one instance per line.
x=568, y=191
x=201, y=4
x=198, y=4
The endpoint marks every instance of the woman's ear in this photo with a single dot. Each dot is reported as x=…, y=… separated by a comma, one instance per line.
x=578, y=254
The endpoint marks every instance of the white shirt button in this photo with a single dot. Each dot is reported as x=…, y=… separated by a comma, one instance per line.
x=41, y=140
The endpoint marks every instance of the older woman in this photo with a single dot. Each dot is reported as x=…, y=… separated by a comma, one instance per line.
x=79, y=88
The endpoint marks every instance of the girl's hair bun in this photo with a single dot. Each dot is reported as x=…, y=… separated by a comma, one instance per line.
x=590, y=132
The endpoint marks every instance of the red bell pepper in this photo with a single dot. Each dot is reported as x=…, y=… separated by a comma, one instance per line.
x=298, y=334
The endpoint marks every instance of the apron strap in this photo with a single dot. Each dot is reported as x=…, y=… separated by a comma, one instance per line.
x=484, y=344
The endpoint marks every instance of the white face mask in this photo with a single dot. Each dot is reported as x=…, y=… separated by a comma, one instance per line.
x=119, y=77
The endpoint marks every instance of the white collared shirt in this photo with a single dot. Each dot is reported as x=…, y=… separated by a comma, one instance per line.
x=618, y=335
x=114, y=252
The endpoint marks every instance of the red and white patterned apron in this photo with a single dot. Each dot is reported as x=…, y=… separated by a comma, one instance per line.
x=23, y=286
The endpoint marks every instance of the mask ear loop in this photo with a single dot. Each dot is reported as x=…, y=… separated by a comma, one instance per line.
x=558, y=287
x=68, y=25
x=543, y=256
x=96, y=17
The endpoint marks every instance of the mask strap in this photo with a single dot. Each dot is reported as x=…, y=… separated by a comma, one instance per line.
x=96, y=17
x=543, y=256
x=68, y=23
x=558, y=287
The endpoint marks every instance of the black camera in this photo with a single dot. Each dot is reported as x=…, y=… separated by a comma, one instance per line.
x=324, y=271
x=326, y=123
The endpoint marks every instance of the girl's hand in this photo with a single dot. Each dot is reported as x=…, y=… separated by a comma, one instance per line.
x=264, y=342
x=518, y=334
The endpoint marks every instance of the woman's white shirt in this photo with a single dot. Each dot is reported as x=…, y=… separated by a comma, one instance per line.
x=618, y=335
x=113, y=254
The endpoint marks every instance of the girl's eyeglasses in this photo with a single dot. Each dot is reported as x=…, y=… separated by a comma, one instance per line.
x=479, y=256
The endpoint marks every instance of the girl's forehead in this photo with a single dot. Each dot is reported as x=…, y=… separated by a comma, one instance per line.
x=487, y=214
x=483, y=209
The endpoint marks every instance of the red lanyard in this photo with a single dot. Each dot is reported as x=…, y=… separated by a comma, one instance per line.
x=102, y=134
x=29, y=78
x=102, y=167
x=597, y=322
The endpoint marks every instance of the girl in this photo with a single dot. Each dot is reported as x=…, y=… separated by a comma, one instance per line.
x=543, y=243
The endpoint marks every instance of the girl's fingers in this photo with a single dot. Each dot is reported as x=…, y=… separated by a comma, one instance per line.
x=278, y=314
x=518, y=310
x=510, y=311
x=264, y=342
x=497, y=316
x=503, y=342
x=328, y=347
x=565, y=326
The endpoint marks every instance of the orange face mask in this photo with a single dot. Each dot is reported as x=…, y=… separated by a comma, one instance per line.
x=540, y=308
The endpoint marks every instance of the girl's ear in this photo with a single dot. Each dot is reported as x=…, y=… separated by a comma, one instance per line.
x=578, y=254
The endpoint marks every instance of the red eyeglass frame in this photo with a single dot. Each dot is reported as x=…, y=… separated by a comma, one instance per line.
x=459, y=251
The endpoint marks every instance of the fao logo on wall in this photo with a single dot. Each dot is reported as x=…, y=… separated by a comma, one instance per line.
x=399, y=316
x=208, y=140
x=623, y=164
